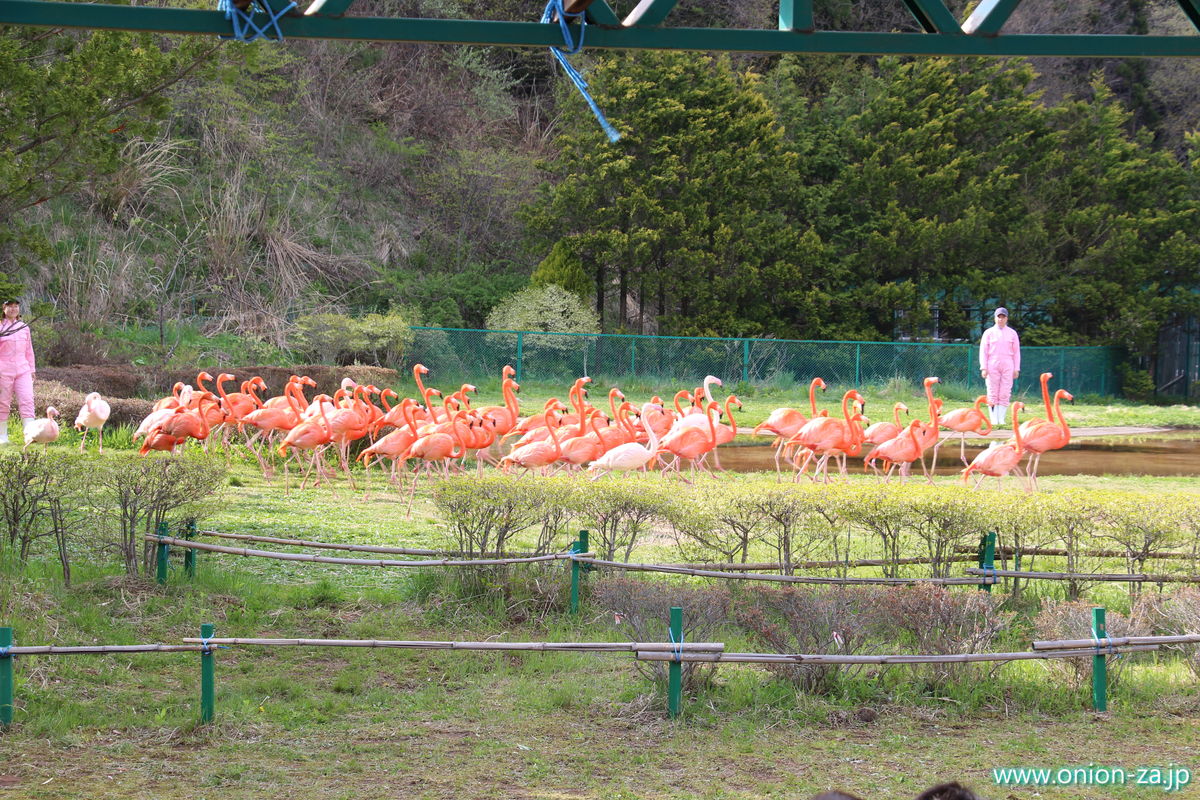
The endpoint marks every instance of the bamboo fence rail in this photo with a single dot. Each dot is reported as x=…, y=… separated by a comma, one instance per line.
x=729, y=566
x=1053, y=551
x=543, y=647
x=1085, y=576
x=356, y=562
x=862, y=562
x=823, y=658
x=360, y=548
x=820, y=579
x=1115, y=641
x=57, y=650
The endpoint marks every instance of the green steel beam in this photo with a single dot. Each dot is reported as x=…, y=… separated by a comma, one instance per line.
x=796, y=15
x=649, y=12
x=933, y=16
x=533, y=34
x=989, y=17
x=1192, y=9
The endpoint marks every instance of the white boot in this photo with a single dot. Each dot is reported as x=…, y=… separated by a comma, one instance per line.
x=1002, y=413
x=992, y=415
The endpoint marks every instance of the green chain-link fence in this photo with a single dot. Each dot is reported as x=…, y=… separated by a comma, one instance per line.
x=472, y=354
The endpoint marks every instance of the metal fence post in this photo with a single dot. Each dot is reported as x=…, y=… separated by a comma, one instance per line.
x=575, y=565
x=207, y=676
x=857, y=366
x=632, y=357
x=520, y=354
x=6, y=678
x=162, y=550
x=987, y=556
x=745, y=360
x=1099, y=662
x=675, y=668
x=1062, y=364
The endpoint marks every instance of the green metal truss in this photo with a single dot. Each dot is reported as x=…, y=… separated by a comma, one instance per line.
x=979, y=35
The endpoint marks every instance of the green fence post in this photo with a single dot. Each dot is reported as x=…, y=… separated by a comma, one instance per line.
x=1099, y=663
x=675, y=669
x=207, y=676
x=520, y=354
x=575, y=565
x=857, y=366
x=632, y=357
x=163, y=550
x=745, y=361
x=583, y=548
x=189, y=555
x=6, y=678
x=987, y=556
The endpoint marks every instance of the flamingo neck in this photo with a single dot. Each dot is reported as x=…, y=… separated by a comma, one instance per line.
x=510, y=397
x=420, y=383
x=812, y=395
x=729, y=413
x=653, y=443
x=896, y=414
x=1062, y=421
x=1046, y=398
x=679, y=394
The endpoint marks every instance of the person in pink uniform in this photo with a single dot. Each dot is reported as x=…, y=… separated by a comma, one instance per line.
x=16, y=367
x=1000, y=364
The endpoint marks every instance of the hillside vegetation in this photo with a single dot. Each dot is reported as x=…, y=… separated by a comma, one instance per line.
x=148, y=181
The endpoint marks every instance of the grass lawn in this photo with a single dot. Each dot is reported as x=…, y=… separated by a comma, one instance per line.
x=366, y=723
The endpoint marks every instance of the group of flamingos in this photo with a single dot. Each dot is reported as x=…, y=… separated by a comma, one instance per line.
x=576, y=437
x=820, y=437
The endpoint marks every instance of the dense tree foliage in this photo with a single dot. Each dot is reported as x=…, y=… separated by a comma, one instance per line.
x=911, y=186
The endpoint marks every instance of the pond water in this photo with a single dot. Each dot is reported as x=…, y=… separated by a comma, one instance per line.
x=1161, y=454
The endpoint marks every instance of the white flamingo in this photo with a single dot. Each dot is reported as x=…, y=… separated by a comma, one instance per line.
x=42, y=431
x=92, y=415
x=629, y=456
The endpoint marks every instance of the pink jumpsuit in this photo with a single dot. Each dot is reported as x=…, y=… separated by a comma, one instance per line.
x=1000, y=355
x=16, y=368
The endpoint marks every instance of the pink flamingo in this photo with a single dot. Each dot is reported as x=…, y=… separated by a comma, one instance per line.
x=1028, y=425
x=787, y=422
x=1045, y=437
x=691, y=442
x=965, y=420
x=903, y=450
x=539, y=454
x=999, y=459
x=312, y=435
x=825, y=435
x=885, y=431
